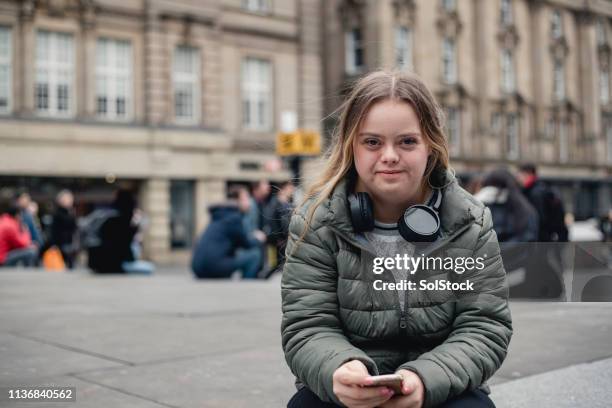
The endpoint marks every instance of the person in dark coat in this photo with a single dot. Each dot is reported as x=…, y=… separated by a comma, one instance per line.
x=516, y=223
x=547, y=203
x=226, y=246
x=514, y=218
x=64, y=227
x=115, y=253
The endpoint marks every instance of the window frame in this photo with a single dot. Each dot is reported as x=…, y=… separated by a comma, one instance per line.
x=52, y=67
x=453, y=125
x=352, y=48
x=508, y=73
x=7, y=61
x=559, y=90
x=512, y=138
x=404, y=47
x=113, y=74
x=608, y=135
x=257, y=6
x=449, y=61
x=506, y=16
x=556, y=24
x=563, y=142
x=256, y=92
x=601, y=32
x=192, y=80
x=449, y=5
x=604, y=85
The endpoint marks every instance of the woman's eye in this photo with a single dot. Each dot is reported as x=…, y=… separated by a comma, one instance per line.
x=409, y=141
x=371, y=142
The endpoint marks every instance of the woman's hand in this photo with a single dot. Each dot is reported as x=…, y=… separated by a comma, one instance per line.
x=350, y=381
x=413, y=392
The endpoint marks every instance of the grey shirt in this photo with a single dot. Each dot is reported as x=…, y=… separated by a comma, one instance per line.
x=387, y=241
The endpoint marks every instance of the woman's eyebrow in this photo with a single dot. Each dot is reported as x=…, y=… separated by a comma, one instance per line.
x=405, y=134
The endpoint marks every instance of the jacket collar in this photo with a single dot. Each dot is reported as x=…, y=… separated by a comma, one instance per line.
x=458, y=207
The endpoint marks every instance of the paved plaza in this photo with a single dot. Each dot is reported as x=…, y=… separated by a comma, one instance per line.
x=170, y=341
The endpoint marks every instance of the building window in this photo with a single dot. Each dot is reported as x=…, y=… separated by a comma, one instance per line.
x=563, y=142
x=113, y=79
x=558, y=81
x=353, y=51
x=604, y=85
x=449, y=61
x=556, y=25
x=256, y=6
x=403, y=47
x=550, y=128
x=453, y=124
x=600, y=30
x=507, y=66
x=256, y=94
x=54, y=73
x=449, y=5
x=512, y=136
x=186, y=84
x=6, y=51
x=496, y=123
x=505, y=13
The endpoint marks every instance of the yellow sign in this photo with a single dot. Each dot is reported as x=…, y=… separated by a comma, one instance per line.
x=298, y=143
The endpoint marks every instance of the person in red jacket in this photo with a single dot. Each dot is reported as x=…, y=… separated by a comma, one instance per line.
x=15, y=243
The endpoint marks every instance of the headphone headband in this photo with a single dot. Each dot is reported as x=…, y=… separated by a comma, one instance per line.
x=418, y=223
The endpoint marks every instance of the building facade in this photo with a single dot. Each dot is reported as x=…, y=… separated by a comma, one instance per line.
x=175, y=98
x=519, y=80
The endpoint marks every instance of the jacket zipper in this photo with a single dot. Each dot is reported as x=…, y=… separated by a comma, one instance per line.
x=432, y=248
x=403, y=324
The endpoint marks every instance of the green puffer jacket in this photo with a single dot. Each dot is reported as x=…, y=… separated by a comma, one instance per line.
x=332, y=314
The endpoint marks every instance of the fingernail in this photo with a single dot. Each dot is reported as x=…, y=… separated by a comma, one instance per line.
x=385, y=391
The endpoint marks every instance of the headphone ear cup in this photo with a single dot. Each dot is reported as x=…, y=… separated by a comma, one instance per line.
x=361, y=211
x=419, y=223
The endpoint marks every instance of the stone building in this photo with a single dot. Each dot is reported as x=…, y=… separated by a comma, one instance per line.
x=176, y=98
x=520, y=80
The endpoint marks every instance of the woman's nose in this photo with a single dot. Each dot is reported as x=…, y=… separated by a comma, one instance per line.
x=390, y=155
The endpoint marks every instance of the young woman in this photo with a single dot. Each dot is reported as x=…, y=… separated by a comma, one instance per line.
x=389, y=154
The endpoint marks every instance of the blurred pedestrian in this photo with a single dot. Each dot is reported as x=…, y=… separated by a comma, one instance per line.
x=260, y=193
x=516, y=223
x=255, y=220
x=278, y=215
x=547, y=203
x=28, y=210
x=514, y=218
x=64, y=227
x=16, y=246
x=226, y=246
x=605, y=225
x=115, y=252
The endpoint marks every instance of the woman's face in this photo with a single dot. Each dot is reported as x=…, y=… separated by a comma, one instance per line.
x=391, y=153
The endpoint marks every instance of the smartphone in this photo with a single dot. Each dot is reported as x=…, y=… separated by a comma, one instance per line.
x=393, y=381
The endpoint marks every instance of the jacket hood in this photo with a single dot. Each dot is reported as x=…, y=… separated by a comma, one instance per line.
x=458, y=207
x=220, y=211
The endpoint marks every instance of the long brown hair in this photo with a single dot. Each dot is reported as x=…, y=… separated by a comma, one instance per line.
x=370, y=89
